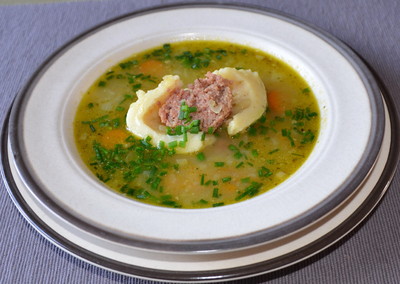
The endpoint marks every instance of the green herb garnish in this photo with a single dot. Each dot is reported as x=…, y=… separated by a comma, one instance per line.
x=226, y=179
x=215, y=192
x=219, y=164
x=200, y=156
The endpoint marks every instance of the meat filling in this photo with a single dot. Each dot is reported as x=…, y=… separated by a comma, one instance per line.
x=211, y=96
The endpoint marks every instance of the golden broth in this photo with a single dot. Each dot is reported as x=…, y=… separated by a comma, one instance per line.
x=231, y=170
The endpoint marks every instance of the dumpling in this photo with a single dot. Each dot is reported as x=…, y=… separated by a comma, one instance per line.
x=249, y=97
x=249, y=101
x=143, y=120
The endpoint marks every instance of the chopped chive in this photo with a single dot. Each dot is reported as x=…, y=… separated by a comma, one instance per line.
x=155, y=183
x=136, y=87
x=233, y=147
x=263, y=129
x=183, y=111
x=298, y=123
x=92, y=128
x=202, y=179
x=181, y=115
x=219, y=164
x=173, y=144
x=194, y=130
x=102, y=83
x=237, y=155
x=245, y=180
x=194, y=123
x=161, y=145
x=179, y=129
x=182, y=144
x=192, y=109
x=252, y=131
x=90, y=105
x=145, y=143
x=262, y=119
x=128, y=64
x=210, y=130
x=299, y=155
x=251, y=190
x=215, y=192
x=126, y=97
x=166, y=197
x=101, y=118
x=226, y=179
x=264, y=172
x=218, y=204
x=254, y=152
x=279, y=118
x=287, y=133
x=119, y=108
x=273, y=151
x=239, y=165
x=200, y=156
x=236, y=151
x=203, y=136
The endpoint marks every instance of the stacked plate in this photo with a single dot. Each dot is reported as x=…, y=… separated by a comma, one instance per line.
x=341, y=182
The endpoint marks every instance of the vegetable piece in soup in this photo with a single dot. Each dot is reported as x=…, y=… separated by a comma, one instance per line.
x=196, y=124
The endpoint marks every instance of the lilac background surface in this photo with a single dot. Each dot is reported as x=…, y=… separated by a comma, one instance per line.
x=30, y=33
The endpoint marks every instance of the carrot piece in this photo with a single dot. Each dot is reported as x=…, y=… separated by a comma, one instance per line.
x=275, y=101
x=152, y=67
x=113, y=137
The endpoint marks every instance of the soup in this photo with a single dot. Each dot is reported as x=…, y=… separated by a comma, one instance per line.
x=232, y=168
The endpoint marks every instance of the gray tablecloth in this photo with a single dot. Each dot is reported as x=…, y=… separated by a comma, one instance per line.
x=30, y=33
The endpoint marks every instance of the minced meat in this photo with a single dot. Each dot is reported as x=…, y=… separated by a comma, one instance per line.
x=211, y=96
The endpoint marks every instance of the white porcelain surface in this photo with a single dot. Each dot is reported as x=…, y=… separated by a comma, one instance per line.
x=345, y=111
x=210, y=262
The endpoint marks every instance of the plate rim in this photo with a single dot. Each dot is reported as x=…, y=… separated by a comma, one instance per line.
x=346, y=227
x=200, y=245
x=259, y=268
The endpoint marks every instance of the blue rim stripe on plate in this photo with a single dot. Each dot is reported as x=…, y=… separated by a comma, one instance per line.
x=359, y=174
